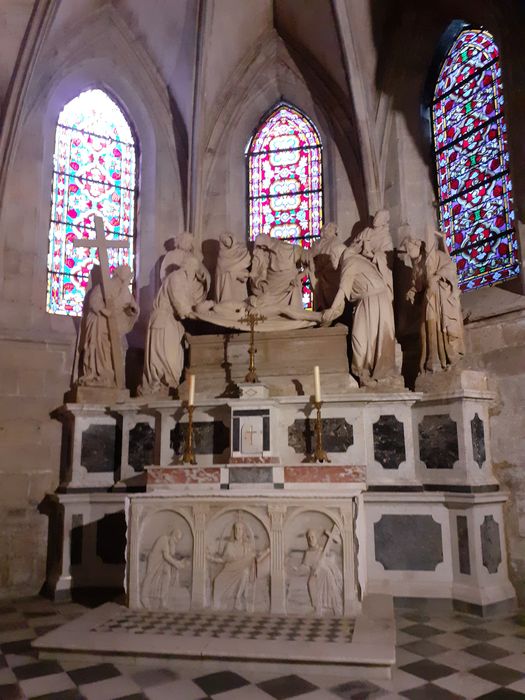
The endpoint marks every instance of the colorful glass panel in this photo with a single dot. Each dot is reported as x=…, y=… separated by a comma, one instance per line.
x=285, y=181
x=93, y=173
x=472, y=161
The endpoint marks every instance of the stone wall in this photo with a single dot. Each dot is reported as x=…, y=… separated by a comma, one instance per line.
x=32, y=379
x=497, y=344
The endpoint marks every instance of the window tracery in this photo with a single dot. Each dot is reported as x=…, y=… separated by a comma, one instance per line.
x=94, y=173
x=472, y=162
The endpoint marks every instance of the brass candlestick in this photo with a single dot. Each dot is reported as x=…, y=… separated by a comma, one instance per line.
x=252, y=319
x=189, y=455
x=319, y=453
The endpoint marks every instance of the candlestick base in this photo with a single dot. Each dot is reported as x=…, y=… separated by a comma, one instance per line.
x=319, y=454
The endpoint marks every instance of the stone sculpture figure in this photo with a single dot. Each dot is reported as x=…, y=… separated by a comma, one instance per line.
x=162, y=571
x=325, y=580
x=180, y=291
x=373, y=332
x=325, y=279
x=181, y=246
x=441, y=324
x=375, y=242
x=234, y=585
x=275, y=277
x=231, y=273
x=96, y=358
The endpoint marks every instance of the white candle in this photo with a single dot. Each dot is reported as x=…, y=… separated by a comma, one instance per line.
x=191, y=389
x=317, y=385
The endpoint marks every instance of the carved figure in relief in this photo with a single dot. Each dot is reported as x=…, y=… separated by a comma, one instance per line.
x=434, y=277
x=181, y=246
x=375, y=242
x=96, y=359
x=275, y=276
x=325, y=279
x=373, y=332
x=231, y=273
x=234, y=585
x=325, y=580
x=180, y=291
x=162, y=571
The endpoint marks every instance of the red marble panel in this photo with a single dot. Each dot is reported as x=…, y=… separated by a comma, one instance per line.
x=320, y=474
x=184, y=475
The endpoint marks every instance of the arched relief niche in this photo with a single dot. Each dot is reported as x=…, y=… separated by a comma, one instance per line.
x=165, y=561
x=238, y=562
x=260, y=83
x=103, y=54
x=314, y=564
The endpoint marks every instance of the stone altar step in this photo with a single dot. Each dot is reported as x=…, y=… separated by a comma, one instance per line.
x=360, y=648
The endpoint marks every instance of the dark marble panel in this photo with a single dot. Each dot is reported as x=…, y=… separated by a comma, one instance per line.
x=250, y=475
x=141, y=446
x=389, y=442
x=463, y=546
x=99, y=448
x=338, y=435
x=209, y=437
x=438, y=442
x=111, y=538
x=490, y=544
x=477, y=430
x=408, y=542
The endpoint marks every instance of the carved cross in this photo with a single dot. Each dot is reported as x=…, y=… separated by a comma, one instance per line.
x=102, y=244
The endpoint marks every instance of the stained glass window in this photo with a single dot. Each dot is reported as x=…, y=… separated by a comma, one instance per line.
x=93, y=173
x=470, y=140
x=285, y=197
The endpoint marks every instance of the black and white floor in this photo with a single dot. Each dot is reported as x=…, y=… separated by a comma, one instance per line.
x=443, y=656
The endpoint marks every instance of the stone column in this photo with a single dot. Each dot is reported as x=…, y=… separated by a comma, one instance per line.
x=198, y=579
x=277, y=569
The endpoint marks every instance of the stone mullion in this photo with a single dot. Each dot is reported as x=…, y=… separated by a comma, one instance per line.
x=277, y=563
x=198, y=579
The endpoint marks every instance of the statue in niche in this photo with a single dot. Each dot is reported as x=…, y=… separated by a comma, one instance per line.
x=231, y=273
x=180, y=291
x=373, y=332
x=234, y=587
x=276, y=276
x=96, y=357
x=325, y=279
x=325, y=579
x=434, y=278
x=162, y=571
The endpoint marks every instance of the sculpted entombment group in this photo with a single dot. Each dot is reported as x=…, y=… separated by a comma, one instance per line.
x=350, y=281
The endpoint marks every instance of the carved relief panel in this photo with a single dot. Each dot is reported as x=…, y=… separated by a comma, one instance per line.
x=165, y=561
x=314, y=565
x=238, y=563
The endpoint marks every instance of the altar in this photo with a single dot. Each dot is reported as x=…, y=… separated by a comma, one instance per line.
x=304, y=488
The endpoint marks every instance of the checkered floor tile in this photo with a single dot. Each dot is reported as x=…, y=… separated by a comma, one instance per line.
x=230, y=626
x=441, y=657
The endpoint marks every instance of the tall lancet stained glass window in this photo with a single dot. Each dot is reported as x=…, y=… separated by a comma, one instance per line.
x=285, y=196
x=474, y=183
x=93, y=174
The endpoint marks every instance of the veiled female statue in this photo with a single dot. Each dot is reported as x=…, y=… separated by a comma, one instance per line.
x=434, y=277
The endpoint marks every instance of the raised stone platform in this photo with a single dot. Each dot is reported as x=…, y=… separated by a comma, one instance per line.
x=356, y=648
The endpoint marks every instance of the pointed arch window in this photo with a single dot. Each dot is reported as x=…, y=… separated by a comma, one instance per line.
x=94, y=173
x=472, y=161
x=285, y=180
